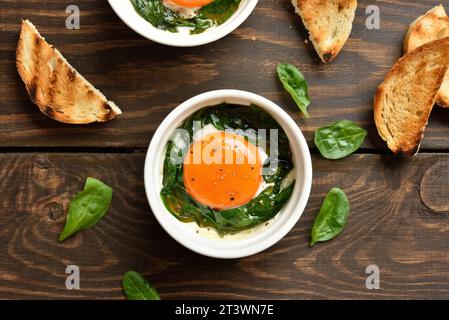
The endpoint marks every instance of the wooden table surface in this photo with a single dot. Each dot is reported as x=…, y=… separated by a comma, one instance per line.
x=399, y=218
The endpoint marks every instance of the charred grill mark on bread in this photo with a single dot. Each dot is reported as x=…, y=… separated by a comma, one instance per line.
x=55, y=86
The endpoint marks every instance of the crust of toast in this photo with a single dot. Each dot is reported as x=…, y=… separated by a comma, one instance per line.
x=55, y=86
x=329, y=23
x=405, y=99
x=431, y=26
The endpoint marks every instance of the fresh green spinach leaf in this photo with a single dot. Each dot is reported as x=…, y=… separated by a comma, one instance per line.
x=295, y=84
x=87, y=208
x=137, y=287
x=332, y=217
x=340, y=139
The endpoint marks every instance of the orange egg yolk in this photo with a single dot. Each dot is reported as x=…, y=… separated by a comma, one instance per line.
x=222, y=170
x=191, y=3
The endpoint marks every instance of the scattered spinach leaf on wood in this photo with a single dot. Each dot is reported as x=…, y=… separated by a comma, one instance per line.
x=340, y=139
x=295, y=84
x=137, y=287
x=87, y=208
x=332, y=217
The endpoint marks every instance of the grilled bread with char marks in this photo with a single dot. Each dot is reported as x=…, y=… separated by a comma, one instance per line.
x=55, y=86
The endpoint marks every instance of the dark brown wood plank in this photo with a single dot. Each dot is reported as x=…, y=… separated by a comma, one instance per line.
x=389, y=226
x=148, y=80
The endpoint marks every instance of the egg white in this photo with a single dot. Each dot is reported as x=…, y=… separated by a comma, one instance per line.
x=184, y=12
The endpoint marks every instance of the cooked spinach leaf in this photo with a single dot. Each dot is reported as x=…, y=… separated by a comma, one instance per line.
x=218, y=12
x=87, y=208
x=163, y=18
x=340, y=139
x=159, y=16
x=257, y=211
x=245, y=121
x=332, y=217
x=137, y=287
x=295, y=84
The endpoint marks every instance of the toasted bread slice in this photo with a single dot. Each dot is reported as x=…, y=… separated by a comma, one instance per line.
x=55, y=86
x=443, y=95
x=403, y=102
x=329, y=23
x=431, y=26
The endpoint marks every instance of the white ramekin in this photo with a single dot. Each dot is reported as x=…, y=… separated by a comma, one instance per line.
x=129, y=16
x=226, y=248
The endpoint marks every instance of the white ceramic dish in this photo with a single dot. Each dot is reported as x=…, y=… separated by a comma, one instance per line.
x=129, y=16
x=233, y=247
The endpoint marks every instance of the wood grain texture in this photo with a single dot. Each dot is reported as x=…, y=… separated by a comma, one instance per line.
x=148, y=80
x=399, y=218
x=389, y=226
